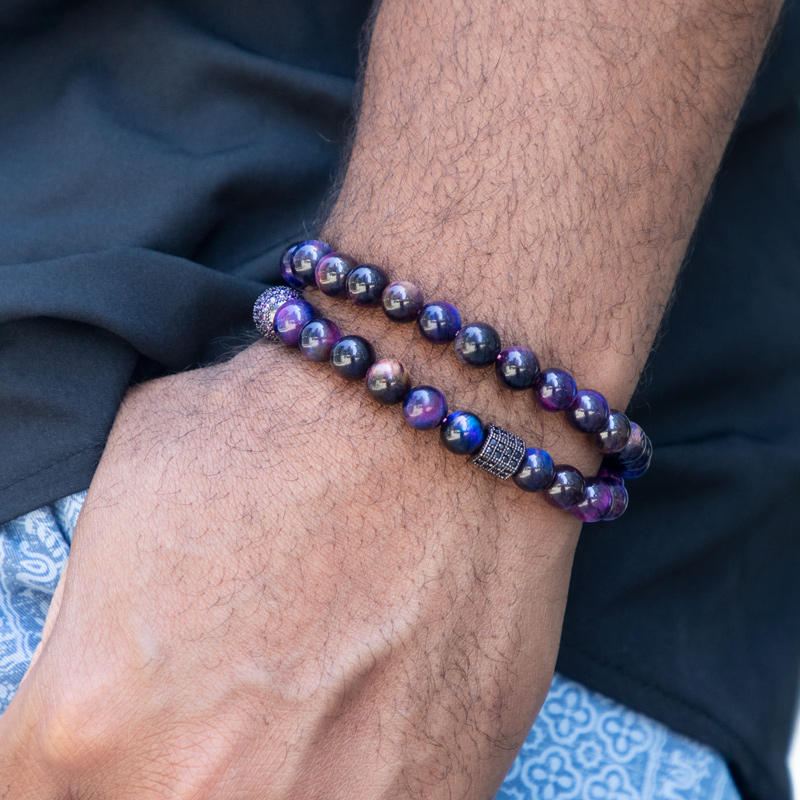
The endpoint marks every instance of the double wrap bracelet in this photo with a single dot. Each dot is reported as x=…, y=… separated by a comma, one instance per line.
x=282, y=314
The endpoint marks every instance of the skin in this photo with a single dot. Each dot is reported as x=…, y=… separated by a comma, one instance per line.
x=277, y=589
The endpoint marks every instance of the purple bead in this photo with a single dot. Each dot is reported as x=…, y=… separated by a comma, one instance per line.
x=388, y=381
x=331, y=273
x=536, y=472
x=555, y=389
x=619, y=502
x=439, y=322
x=462, y=433
x=318, y=338
x=402, y=301
x=610, y=472
x=351, y=357
x=589, y=412
x=634, y=459
x=517, y=368
x=424, y=408
x=291, y=318
x=286, y=267
x=306, y=258
x=477, y=344
x=614, y=436
x=596, y=503
x=365, y=285
x=567, y=488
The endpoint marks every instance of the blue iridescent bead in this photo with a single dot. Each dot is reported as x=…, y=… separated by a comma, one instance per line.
x=365, y=285
x=318, y=338
x=306, y=258
x=588, y=412
x=439, y=322
x=331, y=273
x=555, y=390
x=477, y=344
x=536, y=472
x=634, y=459
x=517, y=368
x=351, y=357
x=388, y=381
x=462, y=433
x=610, y=472
x=402, y=301
x=424, y=408
x=291, y=318
x=614, y=436
x=286, y=267
x=619, y=502
x=596, y=503
x=567, y=488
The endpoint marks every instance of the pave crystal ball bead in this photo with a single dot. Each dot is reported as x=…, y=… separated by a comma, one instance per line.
x=517, y=368
x=424, y=408
x=365, y=285
x=614, y=436
x=286, y=267
x=318, y=338
x=331, y=273
x=477, y=344
x=388, y=381
x=555, y=390
x=501, y=453
x=439, y=322
x=351, y=357
x=402, y=301
x=596, y=503
x=536, y=472
x=589, y=412
x=567, y=489
x=305, y=259
x=291, y=318
x=265, y=307
x=619, y=502
x=462, y=433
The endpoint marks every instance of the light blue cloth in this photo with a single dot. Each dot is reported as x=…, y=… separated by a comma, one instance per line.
x=582, y=747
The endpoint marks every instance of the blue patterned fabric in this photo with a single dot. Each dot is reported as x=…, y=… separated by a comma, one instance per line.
x=582, y=747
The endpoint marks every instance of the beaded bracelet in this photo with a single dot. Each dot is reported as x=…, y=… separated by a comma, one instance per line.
x=281, y=314
x=625, y=445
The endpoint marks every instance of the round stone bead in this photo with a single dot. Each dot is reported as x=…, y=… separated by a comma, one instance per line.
x=331, y=273
x=567, y=488
x=517, y=368
x=306, y=258
x=402, y=301
x=614, y=436
x=610, y=472
x=637, y=468
x=351, y=357
x=424, y=408
x=619, y=502
x=439, y=322
x=365, y=285
x=634, y=459
x=291, y=318
x=589, y=412
x=555, y=390
x=536, y=472
x=477, y=344
x=286, y=267
x=596, y=503
x=388, y=381
x=462, y=433
x=318, y=338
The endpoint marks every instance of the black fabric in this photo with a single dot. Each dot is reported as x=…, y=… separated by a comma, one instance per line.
x=155, y=157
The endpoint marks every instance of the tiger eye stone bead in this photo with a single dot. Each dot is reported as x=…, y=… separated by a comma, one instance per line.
x=619, y=502
x=351, y=357
x=318, y=338
x=477, y=344
x=555, y=390
x=517, y=368
x=402, y=301
x=462, y=433
x=588, y=412
x=424, y=408
x=291, y=318
x=596, y=502
x=305, y=259
x=536, y=472
x=634, y=459
x=331, y=273
x=567, y=488
x=365, y=285
x=439, y=322
x=614, y=436
x=388, y=381
x=287, y=272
